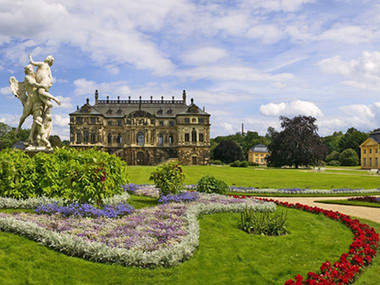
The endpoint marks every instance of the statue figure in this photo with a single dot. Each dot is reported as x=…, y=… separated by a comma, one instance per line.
x=34, y=95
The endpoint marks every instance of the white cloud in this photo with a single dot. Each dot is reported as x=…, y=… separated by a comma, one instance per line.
x=353, y=35
x=232, y=72
x=204, y=55
x=363, y=72
x=278, y=5
x=268, y=34
x=65, y=102
x=5, y=91
x=86, y=87
x=293, y=108
x=61, y=121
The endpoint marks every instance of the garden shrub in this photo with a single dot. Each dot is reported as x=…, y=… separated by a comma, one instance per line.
x=236, y=163
x=269, y=224
x=243, y=163
x=83, y=176
x=17, y=175
x=349, y=157
x=209, y=184
x=216, y=162
x=333, y=163
x=251, y=163
x=168, y=177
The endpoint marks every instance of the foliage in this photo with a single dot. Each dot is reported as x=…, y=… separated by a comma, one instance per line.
x=298, y=144
x=245, y=141
x=349, y=158
x=216, y=162
x=8, y=136
x=333, y=163
x=239, y=163
x=251, y=163
x=334, y=155
x=18, y=176
x=55, y=141
x=332, y=142
x=265, y=223
x=209, y=184
x=169, y=177
x=85, y=210
x=178, y=198
x=83, y=176
x=228, y=151
x=352, y=139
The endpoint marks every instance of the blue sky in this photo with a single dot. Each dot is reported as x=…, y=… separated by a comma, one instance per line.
x=247, y=61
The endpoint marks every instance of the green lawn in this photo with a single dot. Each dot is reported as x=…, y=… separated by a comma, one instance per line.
x=268, y=177
x=351, y=203
x=225, y=255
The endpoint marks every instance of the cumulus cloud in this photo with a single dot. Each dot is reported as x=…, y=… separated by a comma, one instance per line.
x=65, y=102
x=5, y=91
x=293, y=108
x=363, y=72
x=204, y=55
x=86, y=87
x=278, y=5
x=352, y=35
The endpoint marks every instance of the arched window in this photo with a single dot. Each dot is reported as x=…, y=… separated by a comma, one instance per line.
x=194, y=136
x=171, y=139
x=118, y=139
x=160, y=139
x=140, y=138
x=109, y=138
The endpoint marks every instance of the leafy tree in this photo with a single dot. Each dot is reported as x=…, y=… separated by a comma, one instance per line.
x=334, y=155
x=8, y=136
x=332, y=142
x=352, y=139
x=297, y=144
x=228, y=151
x=349, y=157
x=55, y=141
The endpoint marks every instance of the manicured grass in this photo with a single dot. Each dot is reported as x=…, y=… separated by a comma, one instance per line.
x=350, y=203
x=267, y=177
x=225, y=255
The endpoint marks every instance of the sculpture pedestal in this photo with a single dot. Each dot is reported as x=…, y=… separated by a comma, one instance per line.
x=32, y=150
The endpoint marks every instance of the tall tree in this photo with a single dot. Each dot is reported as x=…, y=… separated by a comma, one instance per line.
x=8, y=135
x=228, y=151
x=352, y=139
x=298, y=144
x=332, y=142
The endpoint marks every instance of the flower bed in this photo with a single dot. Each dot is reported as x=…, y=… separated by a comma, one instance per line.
x=164, y=235
x=178, y=198
x=147, y=190
x=369, y=199
x=360, y=255
x=303, y=191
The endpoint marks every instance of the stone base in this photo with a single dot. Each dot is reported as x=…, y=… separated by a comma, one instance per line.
x=32, y=150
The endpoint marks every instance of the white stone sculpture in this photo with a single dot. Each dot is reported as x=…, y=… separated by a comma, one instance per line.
x=34, y=95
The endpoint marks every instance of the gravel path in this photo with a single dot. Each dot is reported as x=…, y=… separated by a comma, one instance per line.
x=368, y=213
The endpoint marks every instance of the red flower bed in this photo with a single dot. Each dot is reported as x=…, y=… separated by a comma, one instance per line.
x=370, y=199
x=361, y=253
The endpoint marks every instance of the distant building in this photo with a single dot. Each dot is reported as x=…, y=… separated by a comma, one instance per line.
x=369, y=150
x=258, y=154
x=143, y=132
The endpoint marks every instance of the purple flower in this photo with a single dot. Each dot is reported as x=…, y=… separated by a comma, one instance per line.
x=178, y=198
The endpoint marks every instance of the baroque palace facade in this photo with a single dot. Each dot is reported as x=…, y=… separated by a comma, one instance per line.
x=143, y=132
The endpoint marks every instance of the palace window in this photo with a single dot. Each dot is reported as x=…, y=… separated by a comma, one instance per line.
x=85, y=136
x=119, y=122
x=201, y=137
x=109, y=139
x=79, y=120
x=92, y=120
x=187, y=137
x=92, y=137
x=160, y=140
x=152, y=122
x=118, y=139
x=128, y=122
x=364, y=151
x=109, y=123
x=194, y=136
x=171, y=140
x=377, y=161
x=171, y=123
x=187, y=120
x=79, y=137
x=140, y=138
x=201, y=120
x=370, y=150
x=370, y=161
x=194, y=120
x=364, y=161
x=161, y=123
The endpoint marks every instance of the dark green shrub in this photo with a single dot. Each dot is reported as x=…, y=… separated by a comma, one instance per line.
x=236, y=163
x=263, y=223
x=333, y=163
x=209, y=184
x=216, y=162
x=83, y=176
x=169, y=177
x=349, y=157
x=334, y=155
x=243, y=163
x=17, y=175
x=251, y=163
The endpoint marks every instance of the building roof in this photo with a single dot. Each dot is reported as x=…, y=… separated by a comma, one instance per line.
x=375, y=135
x=155, y=108
x=259, y=148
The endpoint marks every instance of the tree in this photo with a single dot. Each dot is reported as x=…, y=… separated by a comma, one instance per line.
x=332, y=142
x=334, y=155
x=8, y=136
x=352, y=139
x=55, y=141
x=228, y=151
x=349, y=157
x=297, y=144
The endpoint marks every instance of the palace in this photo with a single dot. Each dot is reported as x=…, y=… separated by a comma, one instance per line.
x=143, y=132
x=369, y=151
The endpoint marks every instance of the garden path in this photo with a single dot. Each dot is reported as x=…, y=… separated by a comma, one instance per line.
x=368, y=213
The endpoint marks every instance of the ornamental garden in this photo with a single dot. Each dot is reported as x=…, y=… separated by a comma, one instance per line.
x=85, y=217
